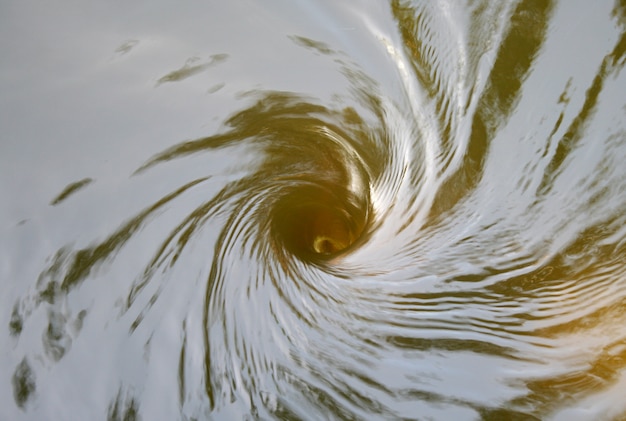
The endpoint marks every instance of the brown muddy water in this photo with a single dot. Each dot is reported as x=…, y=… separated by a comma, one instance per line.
x=313, y=210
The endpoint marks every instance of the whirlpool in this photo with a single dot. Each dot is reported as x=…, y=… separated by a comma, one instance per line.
x=313, y=210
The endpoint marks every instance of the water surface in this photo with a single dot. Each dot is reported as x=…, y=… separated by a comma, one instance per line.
x=313, y=210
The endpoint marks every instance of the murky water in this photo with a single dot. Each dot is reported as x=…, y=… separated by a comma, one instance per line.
x=313, y=210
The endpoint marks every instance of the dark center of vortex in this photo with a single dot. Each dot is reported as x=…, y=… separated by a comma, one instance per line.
x=317, y=224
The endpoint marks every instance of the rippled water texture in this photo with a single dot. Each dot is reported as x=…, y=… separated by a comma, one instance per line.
x=313, y=210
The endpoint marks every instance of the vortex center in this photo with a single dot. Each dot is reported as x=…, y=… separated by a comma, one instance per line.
x=313, y=227
x=328, y=232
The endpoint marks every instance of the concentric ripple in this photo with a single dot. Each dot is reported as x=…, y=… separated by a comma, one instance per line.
x=446, y=244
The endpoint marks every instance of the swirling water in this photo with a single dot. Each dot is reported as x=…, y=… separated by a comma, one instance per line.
x=314, y=210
